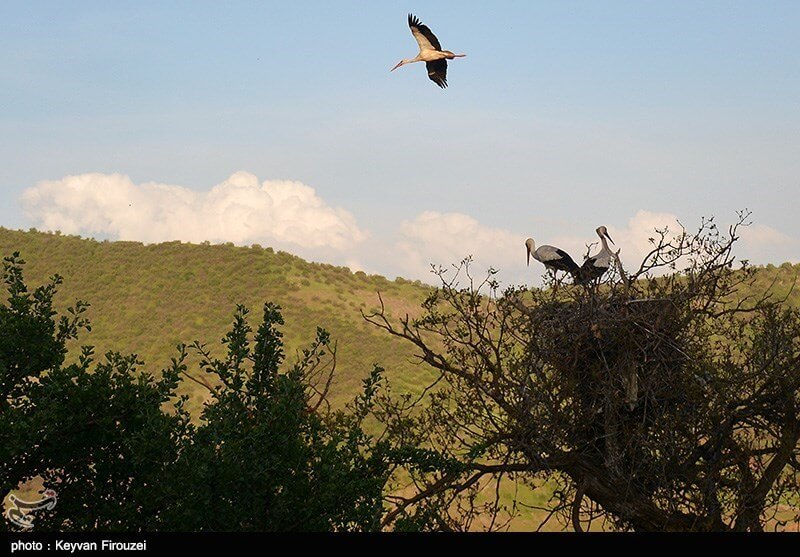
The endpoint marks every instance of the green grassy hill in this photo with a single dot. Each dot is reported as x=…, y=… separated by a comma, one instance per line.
x=782, y=281
x=148, y=298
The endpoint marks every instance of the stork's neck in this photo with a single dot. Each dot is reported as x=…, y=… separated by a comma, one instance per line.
x=405, y=61
x=605, y=244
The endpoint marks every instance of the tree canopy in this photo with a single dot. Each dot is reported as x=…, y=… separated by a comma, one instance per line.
x=122, y=452
x=650, y=402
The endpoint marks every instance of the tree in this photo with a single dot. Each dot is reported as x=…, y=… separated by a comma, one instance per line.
x=122, y=453
x=651, y=402
x=264, y=458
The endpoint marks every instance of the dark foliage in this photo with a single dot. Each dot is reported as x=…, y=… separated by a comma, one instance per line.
x=122, y=453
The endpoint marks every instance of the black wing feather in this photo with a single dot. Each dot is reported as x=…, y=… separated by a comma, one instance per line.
x=566, y=263
x=413, y=21
x=589, y=271
x=437, y=72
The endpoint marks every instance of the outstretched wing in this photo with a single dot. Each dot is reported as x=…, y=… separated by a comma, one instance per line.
x=590, y=270
x=568, y=264
x=437, y=72
x=425, y=37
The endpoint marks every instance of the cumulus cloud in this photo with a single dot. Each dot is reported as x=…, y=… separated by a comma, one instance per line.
x=760, y=235
x=632, y=238
x=759, y=243
x=446, y=238
x=241, y=210
x=764, y=244
x=290, y=215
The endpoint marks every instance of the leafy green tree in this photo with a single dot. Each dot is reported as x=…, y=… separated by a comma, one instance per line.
x=264, y=457
x=118, y=446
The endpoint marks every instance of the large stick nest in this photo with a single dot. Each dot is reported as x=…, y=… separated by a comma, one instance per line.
x=625, y=366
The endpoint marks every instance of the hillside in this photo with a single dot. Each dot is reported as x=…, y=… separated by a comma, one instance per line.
x=148, y=298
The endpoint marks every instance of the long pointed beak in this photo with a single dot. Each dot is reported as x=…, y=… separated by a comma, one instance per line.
x=609, y=238
x=400, y=63
x=529, y=257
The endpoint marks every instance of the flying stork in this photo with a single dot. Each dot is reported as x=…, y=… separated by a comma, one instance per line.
x=595, y=267
x=430, y=52
x=554, y=259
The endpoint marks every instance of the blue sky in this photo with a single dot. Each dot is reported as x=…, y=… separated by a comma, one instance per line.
x=563, y=116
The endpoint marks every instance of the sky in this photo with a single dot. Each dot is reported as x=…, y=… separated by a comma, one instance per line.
x=279, y=124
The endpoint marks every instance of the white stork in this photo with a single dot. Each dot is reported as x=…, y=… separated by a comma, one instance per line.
x=595, y=267
x=554, y=259
x=430, y=52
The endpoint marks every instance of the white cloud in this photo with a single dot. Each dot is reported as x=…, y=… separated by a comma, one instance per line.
x=446, y=238
x=764, y=244
x=759, y=243
x=757, y=236
x=632, y=239
x=241, y=210
x=641, y=228
x=290, y=215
